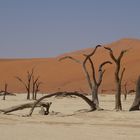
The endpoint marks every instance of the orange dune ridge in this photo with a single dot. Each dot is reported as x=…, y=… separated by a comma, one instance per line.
x=68, y=75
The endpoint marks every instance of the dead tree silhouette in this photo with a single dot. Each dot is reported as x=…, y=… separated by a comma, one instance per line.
x=35, y=87
x=125, y=91
x=118, y=76
x=136, y=104
x=5, y=92
x=94, y=82
x=31, y=85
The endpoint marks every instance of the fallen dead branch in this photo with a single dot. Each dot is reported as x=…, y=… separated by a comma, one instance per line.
x=87, y=100
x=27, y=105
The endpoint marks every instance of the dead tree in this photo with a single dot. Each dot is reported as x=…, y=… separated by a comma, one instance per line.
x=118, y=76
x=27, y=84
x=35, y=87
x=125, y=91
x=136, y=104
x=87, y=100
x=31, y=85
x=93, y=82
x=27, y=105
x=5, y=92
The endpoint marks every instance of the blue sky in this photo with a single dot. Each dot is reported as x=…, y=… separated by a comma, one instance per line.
x=44, y=28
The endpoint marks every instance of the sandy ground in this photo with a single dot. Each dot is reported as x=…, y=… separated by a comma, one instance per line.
x=70, y=122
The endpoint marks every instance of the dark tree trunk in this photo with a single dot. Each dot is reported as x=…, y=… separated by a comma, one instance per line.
x=33, y=92
x=35, y=95
x=5, y=91
x=95, y=97
x=118, y=105
x=28, y=95
x=136, y=104
x=125, y=92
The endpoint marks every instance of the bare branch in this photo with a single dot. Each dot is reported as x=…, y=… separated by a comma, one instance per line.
x=122, y=73
x=83, y=65
x=87, y=57
x=87, y=75
x=111, y=54
x=91, y=54
x=37, y=86
x=104, y=63
x=30, y=74
x=101, y=72
x=35, y=80
x=121, y=55
x=19, y=79
x=93, y=71
x=72, y=58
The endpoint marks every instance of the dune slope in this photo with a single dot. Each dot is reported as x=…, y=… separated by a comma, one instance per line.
x=67, y=75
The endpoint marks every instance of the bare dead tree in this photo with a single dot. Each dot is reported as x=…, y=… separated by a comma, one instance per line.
x=125, y=91
x=93, y=81
x=5, y=92
x=118, y=76
x=87, y=100
x=97, y=80
x=27, y=84
x=31, y=85
x=35, y=87
x=136, y=103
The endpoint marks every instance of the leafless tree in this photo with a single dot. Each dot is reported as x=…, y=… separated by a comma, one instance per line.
x=31, y=85
x=94, y=82
x=27, y=84
x=125, y=91
x=35, y=87
x=136, y=104
x=118, y=76
x=5, y=92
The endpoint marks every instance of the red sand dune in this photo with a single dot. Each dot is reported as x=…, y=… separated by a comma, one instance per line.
x=67, y=75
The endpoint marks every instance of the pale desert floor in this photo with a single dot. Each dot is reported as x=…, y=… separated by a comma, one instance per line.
x=69, y=123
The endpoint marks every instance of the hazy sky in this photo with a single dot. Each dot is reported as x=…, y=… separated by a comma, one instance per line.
x=44, y=28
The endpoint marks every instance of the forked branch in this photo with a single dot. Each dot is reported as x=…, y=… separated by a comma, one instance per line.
x=101, y=71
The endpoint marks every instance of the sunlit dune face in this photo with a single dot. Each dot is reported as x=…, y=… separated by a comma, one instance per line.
x=68, y=75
